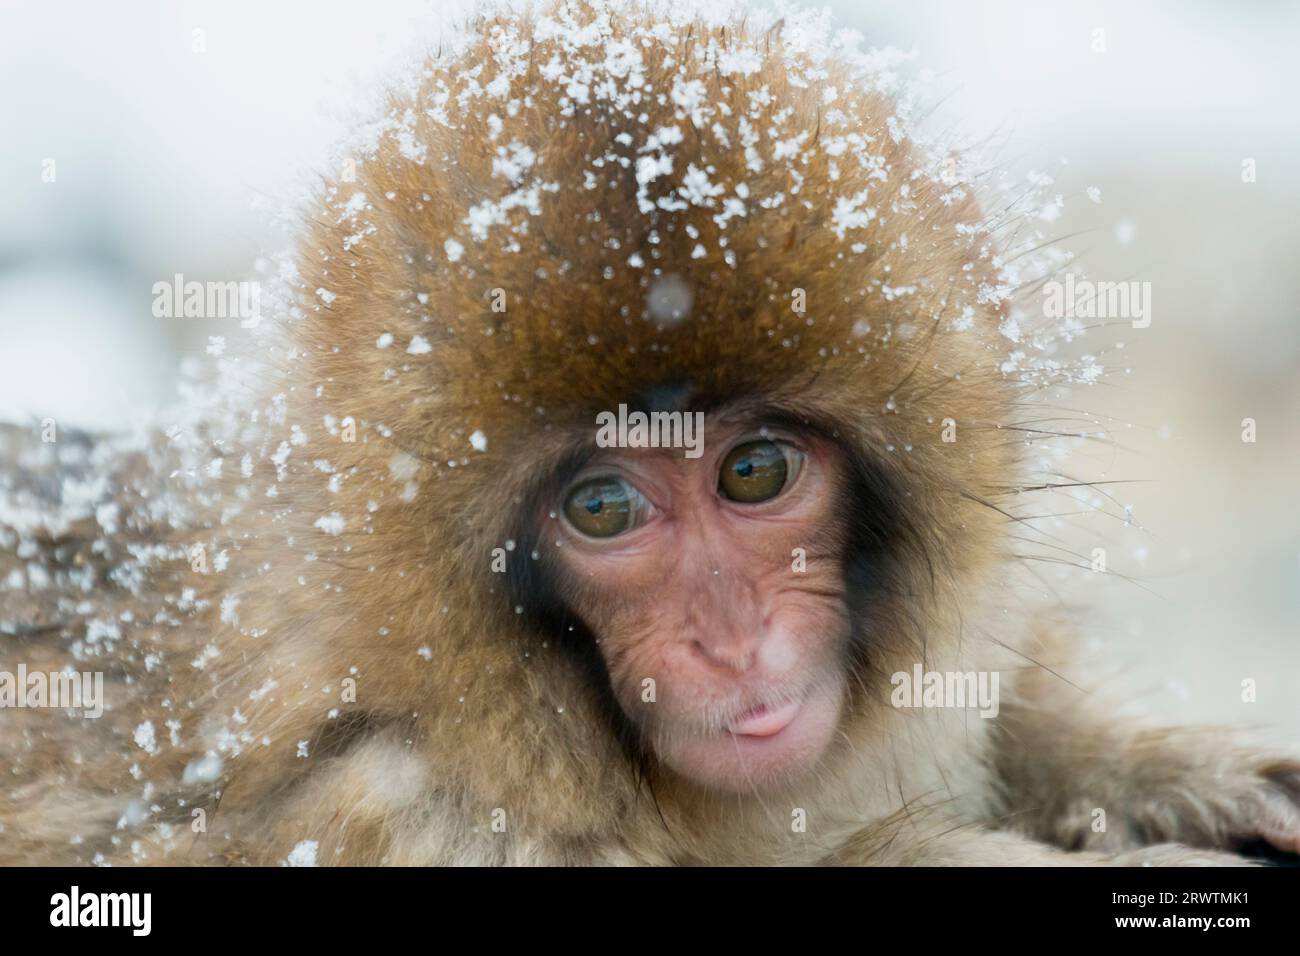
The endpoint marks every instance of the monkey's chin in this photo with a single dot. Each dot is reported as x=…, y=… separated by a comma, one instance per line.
x=762, y=752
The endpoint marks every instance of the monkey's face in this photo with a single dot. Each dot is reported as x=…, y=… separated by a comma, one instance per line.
x=714, y=588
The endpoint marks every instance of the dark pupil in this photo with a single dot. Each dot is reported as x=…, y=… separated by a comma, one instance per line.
x=744, y=468
x=594, y=505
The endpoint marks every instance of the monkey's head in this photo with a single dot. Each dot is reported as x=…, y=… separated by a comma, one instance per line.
x=587, y=234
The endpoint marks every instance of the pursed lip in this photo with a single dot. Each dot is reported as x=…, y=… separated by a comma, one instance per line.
x=765, y=721
x=765, y=743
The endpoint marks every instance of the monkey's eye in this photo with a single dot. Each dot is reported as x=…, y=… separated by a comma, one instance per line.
x=604, y=507
x=758, y=471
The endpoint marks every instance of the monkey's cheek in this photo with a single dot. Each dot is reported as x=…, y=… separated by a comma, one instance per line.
x=738, y=762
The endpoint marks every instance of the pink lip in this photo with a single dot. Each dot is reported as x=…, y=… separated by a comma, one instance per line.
x=764, y=721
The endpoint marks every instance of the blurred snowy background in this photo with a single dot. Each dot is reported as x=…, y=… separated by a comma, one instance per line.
x=167, y=160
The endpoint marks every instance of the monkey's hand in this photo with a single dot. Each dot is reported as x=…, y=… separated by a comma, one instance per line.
x=1203, y=787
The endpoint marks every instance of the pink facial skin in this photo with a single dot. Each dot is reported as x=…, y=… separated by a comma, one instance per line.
x=702, y=597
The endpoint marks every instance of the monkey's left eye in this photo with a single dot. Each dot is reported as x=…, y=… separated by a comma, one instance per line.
x=758, y=471
x=605, y=507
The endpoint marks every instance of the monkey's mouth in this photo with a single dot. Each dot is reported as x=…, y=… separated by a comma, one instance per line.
x=762, y=746
x=765, y=721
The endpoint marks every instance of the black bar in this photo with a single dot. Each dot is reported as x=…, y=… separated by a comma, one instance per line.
x=254, y=906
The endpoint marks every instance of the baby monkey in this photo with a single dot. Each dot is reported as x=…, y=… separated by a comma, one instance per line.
x=631, y=430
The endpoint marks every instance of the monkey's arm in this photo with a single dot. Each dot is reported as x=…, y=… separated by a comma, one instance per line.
x=921, y=839
x=1080, y=779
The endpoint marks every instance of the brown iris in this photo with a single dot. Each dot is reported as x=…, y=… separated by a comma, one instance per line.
x=602, y=507
x=753, y=472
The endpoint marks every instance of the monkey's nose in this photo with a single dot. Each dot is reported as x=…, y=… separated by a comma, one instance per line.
x=737, y=656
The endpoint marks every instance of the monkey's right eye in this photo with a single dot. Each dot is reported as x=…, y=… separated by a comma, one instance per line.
x=605, y=507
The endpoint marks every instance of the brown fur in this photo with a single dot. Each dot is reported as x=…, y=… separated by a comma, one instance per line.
x=464, y=706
